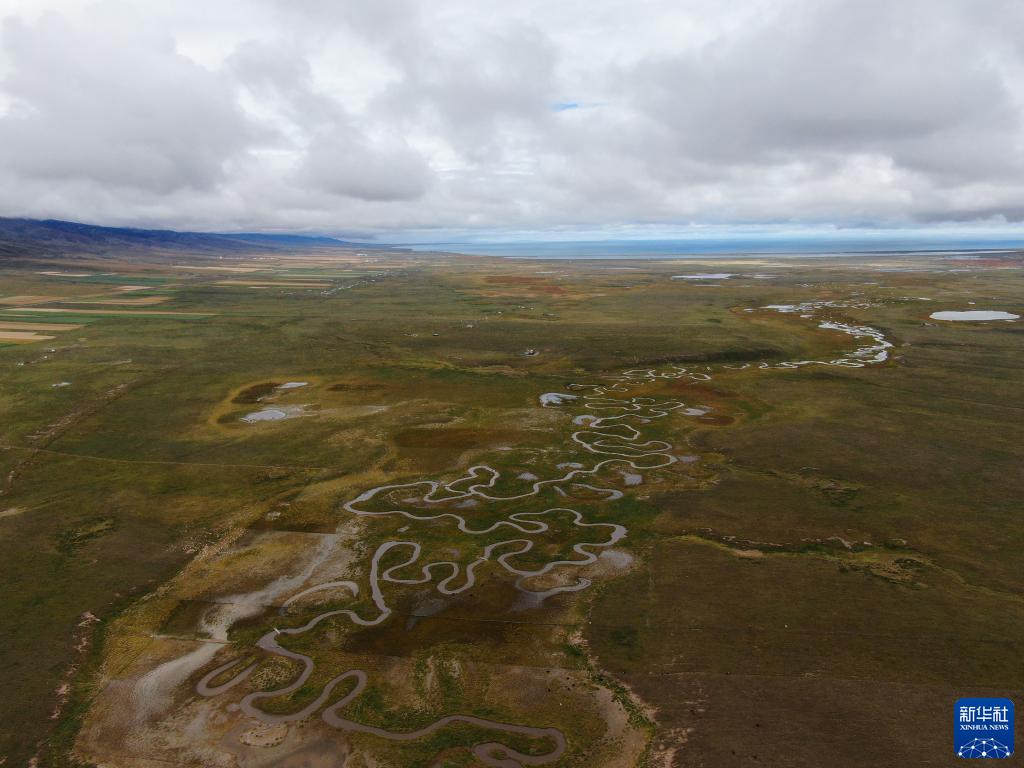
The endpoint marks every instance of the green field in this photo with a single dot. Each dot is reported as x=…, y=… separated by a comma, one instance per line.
x=828, y=549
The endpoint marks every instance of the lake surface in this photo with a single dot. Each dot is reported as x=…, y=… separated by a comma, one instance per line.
x=709, y=276
x=267, y=414
x=975, y=315
x=729, y=246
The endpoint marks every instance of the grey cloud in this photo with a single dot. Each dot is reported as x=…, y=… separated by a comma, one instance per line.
x=340, y=154
x=903, y=80
x=479, y=93
x=119, y=107
x=409, y=114
x=355, y=168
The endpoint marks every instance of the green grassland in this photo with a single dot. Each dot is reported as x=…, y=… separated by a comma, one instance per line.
x=849, y=542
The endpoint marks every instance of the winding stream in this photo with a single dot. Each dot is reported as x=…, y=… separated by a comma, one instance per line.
x=609, y=426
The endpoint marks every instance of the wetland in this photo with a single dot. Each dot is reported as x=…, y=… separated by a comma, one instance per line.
x=348, y=521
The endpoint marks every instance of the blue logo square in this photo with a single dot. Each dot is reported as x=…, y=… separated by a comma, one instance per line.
x=983, y=728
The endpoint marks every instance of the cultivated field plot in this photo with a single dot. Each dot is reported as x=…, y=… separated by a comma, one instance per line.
x=395, y=509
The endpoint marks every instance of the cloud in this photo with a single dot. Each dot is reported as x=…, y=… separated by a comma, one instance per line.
x=356, y=168
x=91, y=103
x=837, y=79
x=440, y=116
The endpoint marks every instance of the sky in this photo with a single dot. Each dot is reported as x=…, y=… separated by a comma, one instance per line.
x=448, y=119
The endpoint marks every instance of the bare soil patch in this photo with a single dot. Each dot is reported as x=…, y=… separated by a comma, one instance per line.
x=23, y=337
x=5, y=326
x=141, y=301
x=7, y=300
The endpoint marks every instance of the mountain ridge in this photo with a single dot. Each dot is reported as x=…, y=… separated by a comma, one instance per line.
x=27, y=238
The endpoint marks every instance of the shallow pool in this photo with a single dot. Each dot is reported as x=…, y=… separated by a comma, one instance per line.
x=975, y=315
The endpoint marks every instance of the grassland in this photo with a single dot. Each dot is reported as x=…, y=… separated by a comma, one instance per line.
x=838, y=554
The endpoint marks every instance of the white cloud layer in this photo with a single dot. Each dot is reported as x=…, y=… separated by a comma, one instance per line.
x=460, y=115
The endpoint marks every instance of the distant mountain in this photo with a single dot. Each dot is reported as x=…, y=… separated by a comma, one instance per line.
x=295, y=240
x=51, y=237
